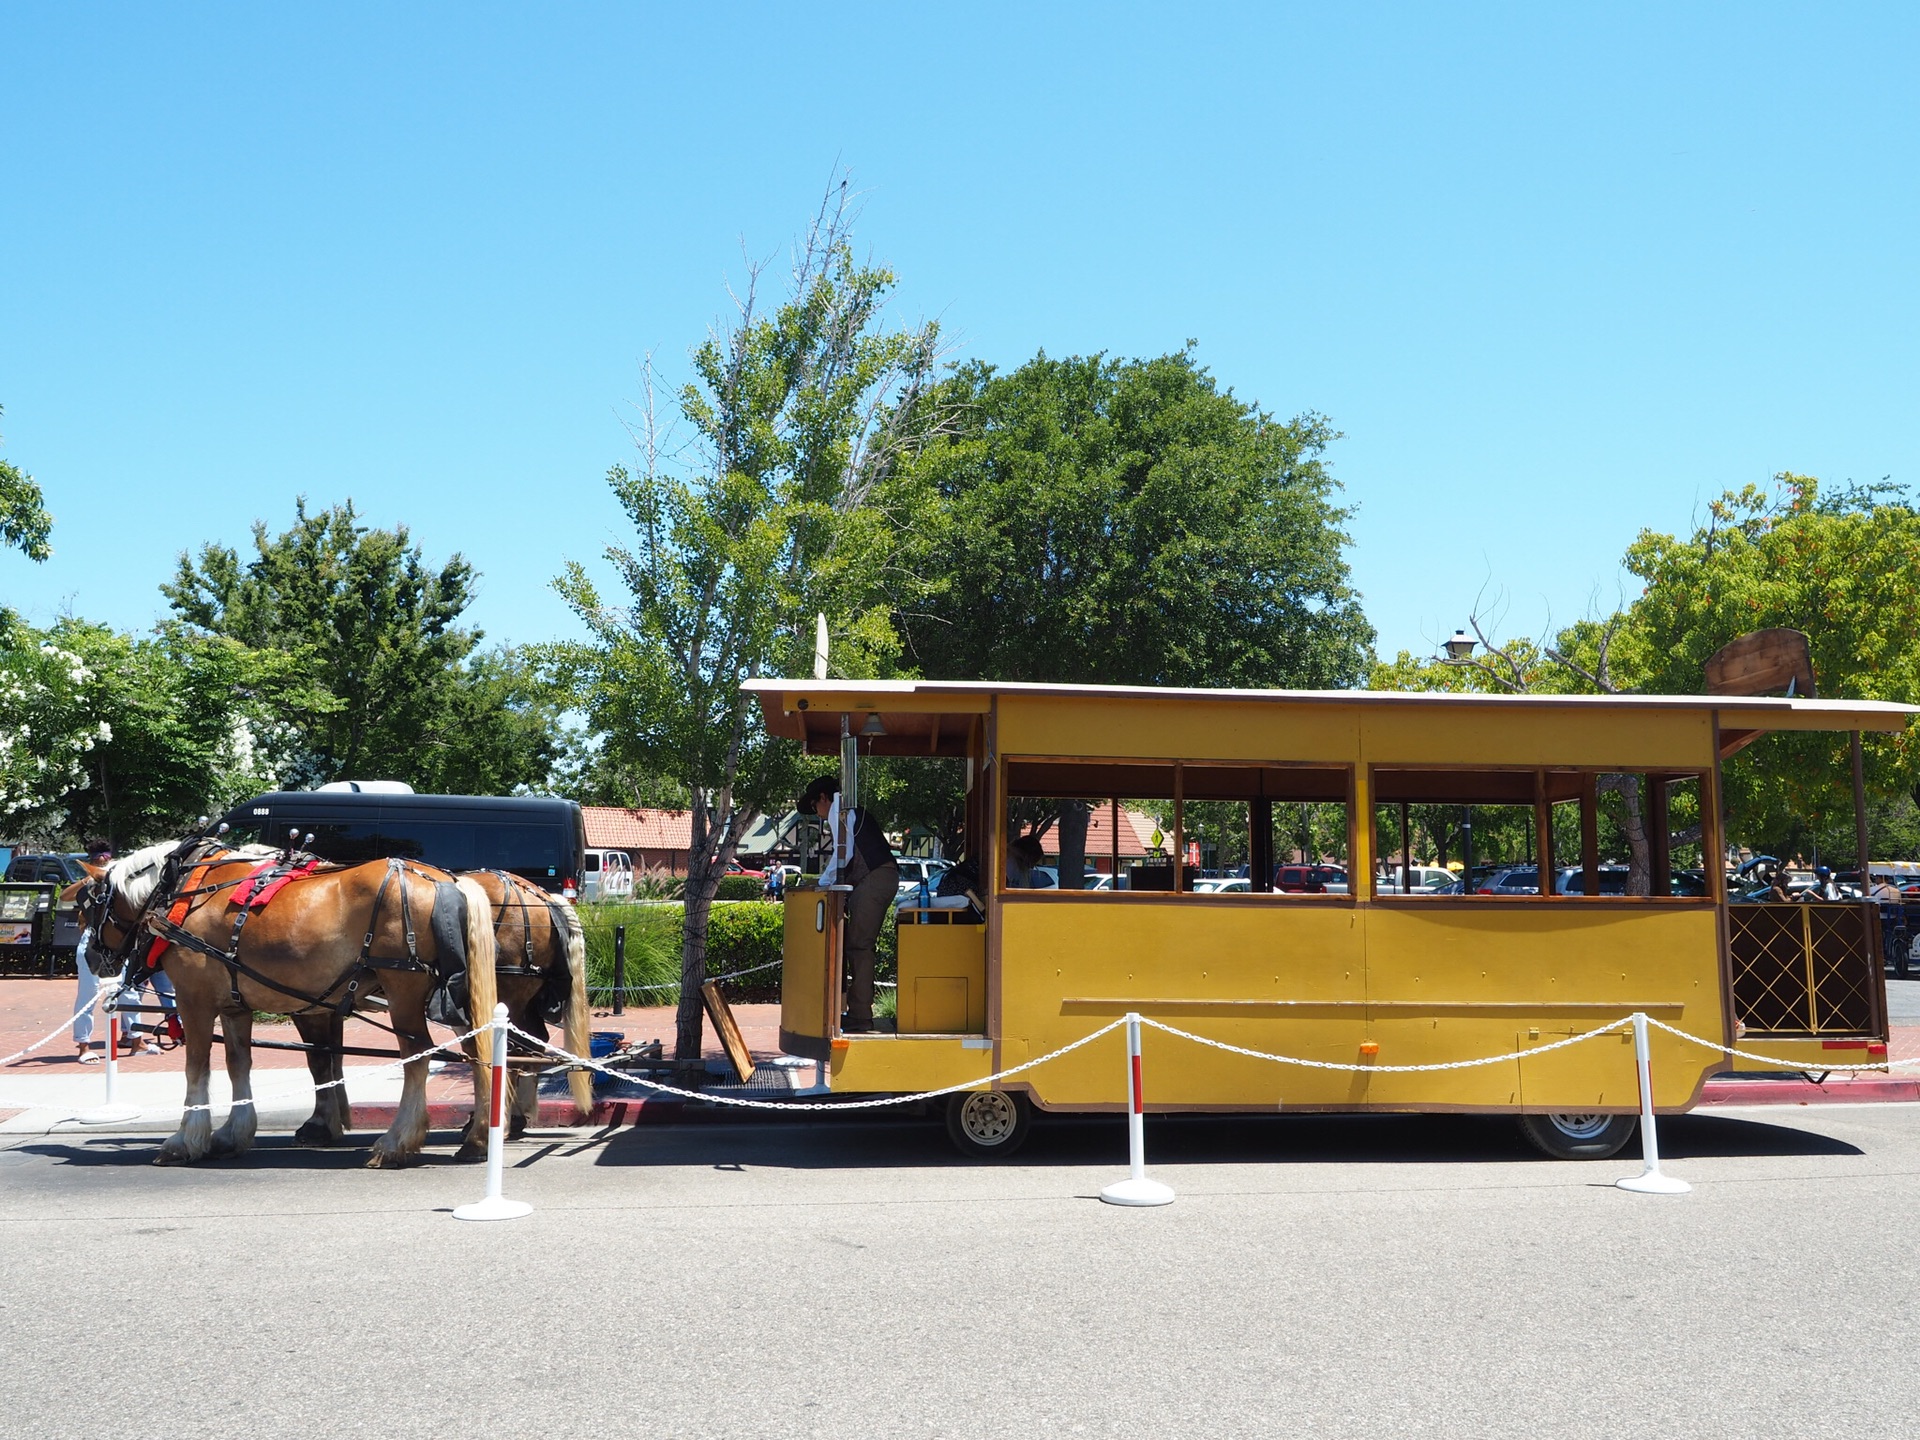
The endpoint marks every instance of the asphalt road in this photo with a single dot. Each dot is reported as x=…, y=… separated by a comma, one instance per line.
x=1378, y=1277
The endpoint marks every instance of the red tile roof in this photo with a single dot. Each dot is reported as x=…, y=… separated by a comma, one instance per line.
x=615, y=827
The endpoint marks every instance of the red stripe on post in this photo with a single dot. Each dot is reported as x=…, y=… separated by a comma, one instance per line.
x=1139, y=1096
x=499, y=1089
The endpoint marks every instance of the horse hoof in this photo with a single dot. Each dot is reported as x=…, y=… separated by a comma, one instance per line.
x=315, y=1132
x=388, y=1160
x=517, y=1127
x=469, y=1152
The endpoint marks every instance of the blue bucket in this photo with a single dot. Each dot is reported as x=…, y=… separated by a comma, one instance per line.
x=602, y=1043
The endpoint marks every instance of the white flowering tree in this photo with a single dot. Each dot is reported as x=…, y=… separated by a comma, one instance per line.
x=130, y=739
x=48, y=728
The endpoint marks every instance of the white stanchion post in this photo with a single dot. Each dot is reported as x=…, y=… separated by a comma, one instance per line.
x=1136, y=1189
x=110, y=1112
x=493, y=1206
x=1649, y=1181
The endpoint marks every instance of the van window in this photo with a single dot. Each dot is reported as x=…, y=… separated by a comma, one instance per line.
x=593, y=862
x=532, y=851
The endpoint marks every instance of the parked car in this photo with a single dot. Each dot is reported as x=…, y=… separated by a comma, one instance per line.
x=1107, y=882
x=1309, y=879
x=608, y=875
x=1511, y=880
x=1220, y=885
x=914, y=870
x=1421, y=880
x=1572, y=880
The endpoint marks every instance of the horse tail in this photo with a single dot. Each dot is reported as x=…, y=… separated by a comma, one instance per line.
x=579, y=1014
x=483, y=986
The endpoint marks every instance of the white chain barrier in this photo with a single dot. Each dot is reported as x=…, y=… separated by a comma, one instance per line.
x=1798, y=1066
x=790, y=1105
x=365, y=1072
x=1609, y=1029
x=630, y=990
x=64, y=1026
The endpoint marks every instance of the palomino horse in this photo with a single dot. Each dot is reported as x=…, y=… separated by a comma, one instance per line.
x=541, y=967
x=541, y=955
x=330, y=939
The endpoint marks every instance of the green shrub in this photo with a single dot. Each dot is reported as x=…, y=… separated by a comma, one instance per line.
x=739, y=936
x=653, y=951
x=740, y=887
x=744, y=935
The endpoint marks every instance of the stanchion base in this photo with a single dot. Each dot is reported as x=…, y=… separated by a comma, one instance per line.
x=495, y=1208
x=1652, y=1182
x=108, y=1115
x=1138, y=1192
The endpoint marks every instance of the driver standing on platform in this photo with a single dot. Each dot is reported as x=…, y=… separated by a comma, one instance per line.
x=862, y=859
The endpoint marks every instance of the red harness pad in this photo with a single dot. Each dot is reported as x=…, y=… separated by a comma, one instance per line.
x=253, y=892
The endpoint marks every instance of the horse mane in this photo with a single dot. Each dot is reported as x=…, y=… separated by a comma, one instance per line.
x=136, y=875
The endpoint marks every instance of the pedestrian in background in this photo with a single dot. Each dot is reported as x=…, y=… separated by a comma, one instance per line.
x=99, y=856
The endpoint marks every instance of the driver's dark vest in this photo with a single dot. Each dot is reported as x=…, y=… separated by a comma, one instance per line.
x=870, y=843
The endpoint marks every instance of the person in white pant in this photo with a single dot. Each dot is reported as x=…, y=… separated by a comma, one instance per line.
x=99, y=856
x=83, y=1003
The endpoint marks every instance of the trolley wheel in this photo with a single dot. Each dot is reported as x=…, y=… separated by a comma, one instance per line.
x=988, y=1124
x=1578, y=1134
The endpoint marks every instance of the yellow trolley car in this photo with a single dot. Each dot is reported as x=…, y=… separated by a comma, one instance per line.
x=1379, y=975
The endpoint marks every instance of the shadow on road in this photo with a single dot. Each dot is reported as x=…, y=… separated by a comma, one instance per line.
x=832, y=1141
x=270, y=1152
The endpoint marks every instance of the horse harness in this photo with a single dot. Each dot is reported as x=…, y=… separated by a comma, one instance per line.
x=551, y=1000
x=170, y=929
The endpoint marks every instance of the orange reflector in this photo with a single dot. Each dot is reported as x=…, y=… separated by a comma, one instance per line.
x=842, y=1044
x=1876, y=1049
x=1369, y=1047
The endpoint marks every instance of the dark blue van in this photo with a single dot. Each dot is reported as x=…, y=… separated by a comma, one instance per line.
x=539, y=838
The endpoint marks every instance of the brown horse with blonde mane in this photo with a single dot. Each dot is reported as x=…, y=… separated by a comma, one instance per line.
x=540, y=950
x=327, y=941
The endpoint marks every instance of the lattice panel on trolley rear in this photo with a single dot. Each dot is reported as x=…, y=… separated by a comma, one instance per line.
x=1842, y=969
x=1804, y=969
x=1769, y=952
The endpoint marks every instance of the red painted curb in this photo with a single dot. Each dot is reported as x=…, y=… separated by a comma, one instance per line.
x=1805, y=1092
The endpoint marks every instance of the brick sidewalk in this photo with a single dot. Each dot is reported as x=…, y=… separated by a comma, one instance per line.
x=31, y=1007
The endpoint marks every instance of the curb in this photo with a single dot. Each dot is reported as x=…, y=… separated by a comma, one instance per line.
x=1760, y=1091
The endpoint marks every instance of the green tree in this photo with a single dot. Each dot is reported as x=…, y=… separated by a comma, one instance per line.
x=47, y=729
x=798, y=411
x=394, y=689
x=24, y=522
x=1841, y=566
x=1125, y=522
x=181, y=714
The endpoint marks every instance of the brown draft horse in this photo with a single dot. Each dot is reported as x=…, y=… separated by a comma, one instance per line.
x=326, y=944
x=540, y=956
x=540, y=950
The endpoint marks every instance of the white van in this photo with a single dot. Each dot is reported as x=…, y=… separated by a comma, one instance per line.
x=609, y=875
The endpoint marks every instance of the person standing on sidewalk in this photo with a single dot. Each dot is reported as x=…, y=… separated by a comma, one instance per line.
x=862, y=859
x=99, y=856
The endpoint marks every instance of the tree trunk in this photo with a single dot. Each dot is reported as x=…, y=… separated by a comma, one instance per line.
x=1073, y=844
x=703, y=880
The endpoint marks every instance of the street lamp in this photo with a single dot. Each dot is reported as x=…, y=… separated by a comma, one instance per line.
x=1460, y=647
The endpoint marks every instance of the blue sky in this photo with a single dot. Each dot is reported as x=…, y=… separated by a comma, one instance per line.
x=1559, y=274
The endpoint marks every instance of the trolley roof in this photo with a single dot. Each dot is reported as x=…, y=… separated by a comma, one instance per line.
x=927, y=717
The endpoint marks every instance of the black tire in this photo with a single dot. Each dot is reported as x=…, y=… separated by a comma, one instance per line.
x=1578, y=1134
x=988, y=1124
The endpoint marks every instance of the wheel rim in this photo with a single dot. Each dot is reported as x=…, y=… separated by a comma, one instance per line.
x=987, y=1118
x=1580, y=1125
